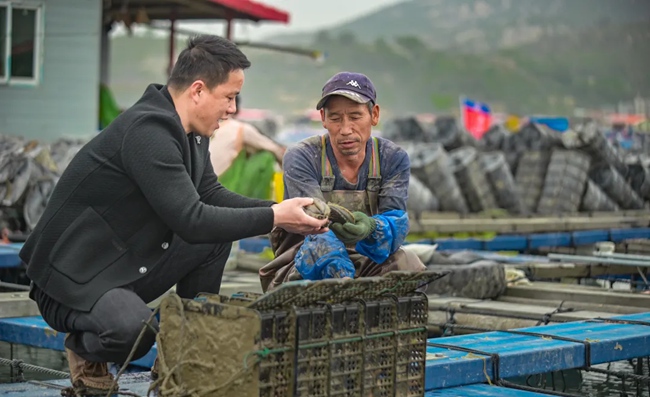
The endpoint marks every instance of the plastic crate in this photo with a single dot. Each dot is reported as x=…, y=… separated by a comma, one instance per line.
x=327, y=338
x=346, y=349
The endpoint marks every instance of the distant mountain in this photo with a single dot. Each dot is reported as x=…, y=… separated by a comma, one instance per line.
x=590, y=53
x=480, y=25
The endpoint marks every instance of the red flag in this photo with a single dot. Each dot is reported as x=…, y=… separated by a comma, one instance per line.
x=476, y=117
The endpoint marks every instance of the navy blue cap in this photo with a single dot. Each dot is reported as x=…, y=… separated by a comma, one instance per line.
x=354, y=86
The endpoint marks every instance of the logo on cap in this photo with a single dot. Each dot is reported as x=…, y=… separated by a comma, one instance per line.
x=354, y=86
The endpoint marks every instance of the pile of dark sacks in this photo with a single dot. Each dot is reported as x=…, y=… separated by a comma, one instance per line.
x=534, y=171
x=29, y=170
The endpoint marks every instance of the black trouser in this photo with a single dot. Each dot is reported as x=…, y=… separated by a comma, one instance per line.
x=108, y=332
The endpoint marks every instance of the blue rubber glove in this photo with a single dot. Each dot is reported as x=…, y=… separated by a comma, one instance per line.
x=323, y=256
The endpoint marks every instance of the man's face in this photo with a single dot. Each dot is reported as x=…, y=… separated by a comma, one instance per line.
x=213, y=105
x=349, y=124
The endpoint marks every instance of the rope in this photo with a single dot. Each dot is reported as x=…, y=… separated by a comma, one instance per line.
x=546, y=317
x=451, y=319
x=586, y=343
x=493, y=356
x=175, y=386
x=146, y=326
x=495, y=361
x=163, y=381
x=621, y=375
x=167, y=382
x=511, y=385
x=19, y=366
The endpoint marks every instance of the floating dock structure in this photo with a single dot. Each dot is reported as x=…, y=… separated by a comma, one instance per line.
x=455, y=366
x=583, y=326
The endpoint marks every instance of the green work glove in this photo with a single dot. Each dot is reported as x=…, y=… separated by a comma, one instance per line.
x=350, y=233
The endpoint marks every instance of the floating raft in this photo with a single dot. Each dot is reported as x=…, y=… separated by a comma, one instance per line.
x=474, y=359
x=455, y=316
x=33, y=331
x=522, y=241
x=536, y=240
x=139, y=383
x=487, y=357
x=9, y=255
x=449, y=222
x=581, y=293
x=509, y=242
x=520, y=306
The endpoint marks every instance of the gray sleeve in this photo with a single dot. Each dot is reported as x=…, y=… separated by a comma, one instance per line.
x=396, y=173
x=301, y=176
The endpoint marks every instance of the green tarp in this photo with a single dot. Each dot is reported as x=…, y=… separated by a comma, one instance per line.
x=108, y=108
x=250, y=176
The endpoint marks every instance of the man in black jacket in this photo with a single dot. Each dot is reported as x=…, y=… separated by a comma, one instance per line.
x=139, y=209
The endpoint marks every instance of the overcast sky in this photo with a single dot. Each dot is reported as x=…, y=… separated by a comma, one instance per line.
x=305, y=15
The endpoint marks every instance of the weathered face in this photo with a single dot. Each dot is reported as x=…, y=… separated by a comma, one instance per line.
x=349, y=124
x=213, y=105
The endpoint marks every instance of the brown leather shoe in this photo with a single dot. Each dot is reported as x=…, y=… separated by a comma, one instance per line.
x=89, y=378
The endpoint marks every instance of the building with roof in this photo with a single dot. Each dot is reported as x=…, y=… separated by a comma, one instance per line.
x=54, y=55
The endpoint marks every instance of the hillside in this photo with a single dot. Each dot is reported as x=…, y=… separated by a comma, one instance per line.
x=598, y=66
x=482, y=25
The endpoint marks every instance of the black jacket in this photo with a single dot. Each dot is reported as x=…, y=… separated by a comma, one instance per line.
x=126, y=193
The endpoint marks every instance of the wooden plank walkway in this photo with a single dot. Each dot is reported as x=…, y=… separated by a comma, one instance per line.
x=468, y=316
x=580, y=293
x=17, y=304
x=455, y=223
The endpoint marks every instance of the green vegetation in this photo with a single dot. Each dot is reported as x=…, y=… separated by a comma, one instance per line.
x=586, y=60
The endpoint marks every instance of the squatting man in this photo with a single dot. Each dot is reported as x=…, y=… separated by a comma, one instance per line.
x=140, y=209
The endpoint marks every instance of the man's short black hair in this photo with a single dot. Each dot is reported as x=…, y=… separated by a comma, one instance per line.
x=209, y=58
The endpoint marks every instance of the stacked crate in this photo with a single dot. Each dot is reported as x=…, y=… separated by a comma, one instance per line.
x=326, y=338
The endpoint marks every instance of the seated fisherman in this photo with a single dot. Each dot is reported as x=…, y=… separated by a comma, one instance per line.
x=243, y=157
x=367, y=175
